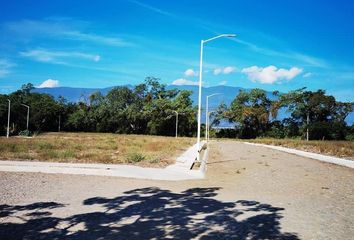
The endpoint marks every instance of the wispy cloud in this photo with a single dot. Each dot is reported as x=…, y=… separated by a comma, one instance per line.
x=308, y=74
x=270, y=74
x=58, y=57
x=223, y=83
x=5, y=67
x=303, y=58
x=152, y=8
x=61, y=28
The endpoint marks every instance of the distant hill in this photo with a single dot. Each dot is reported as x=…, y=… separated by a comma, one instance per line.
x=71, y=94
x=227, y=94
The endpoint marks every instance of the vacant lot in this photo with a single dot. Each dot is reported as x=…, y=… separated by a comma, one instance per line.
x=343, y=149
x=249, y=192
x=95, y=148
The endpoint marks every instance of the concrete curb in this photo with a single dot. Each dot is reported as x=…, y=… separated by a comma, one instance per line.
x=176, y=172
x=319, y=157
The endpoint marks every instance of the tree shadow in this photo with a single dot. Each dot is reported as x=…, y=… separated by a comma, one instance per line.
x=148, y=213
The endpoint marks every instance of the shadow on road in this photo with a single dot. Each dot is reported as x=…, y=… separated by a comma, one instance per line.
x=147, y=213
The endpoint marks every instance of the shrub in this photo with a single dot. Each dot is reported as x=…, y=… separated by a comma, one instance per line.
x=135, y=157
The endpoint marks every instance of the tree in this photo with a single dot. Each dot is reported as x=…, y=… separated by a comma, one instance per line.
x=251, y=112
x=327, y=117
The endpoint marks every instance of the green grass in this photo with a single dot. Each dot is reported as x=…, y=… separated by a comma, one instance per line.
x=95, y=148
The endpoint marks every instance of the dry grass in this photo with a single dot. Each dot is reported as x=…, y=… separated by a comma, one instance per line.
x=343, y=149
x=139, y=150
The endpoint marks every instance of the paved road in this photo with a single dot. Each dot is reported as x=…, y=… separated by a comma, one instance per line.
x=249, y=193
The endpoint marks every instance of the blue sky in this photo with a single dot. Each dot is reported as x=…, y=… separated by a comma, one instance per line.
x=280, y=45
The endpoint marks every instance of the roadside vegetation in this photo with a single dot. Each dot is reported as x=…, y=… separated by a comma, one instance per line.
x=142, y=150
x=149, y=109
x=342, y=149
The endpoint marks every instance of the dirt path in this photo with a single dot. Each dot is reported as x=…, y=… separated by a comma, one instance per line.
x=249, y=193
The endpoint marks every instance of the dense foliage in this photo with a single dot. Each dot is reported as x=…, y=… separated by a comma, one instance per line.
x=149, y=108
x=255, y=115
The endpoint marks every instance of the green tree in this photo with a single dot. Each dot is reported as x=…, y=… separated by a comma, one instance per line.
x=251, y=113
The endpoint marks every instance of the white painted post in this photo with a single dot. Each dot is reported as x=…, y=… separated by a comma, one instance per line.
x=8, y=119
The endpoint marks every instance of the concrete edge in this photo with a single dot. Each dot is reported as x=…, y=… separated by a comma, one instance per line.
x=320, y=157
x=204, y=160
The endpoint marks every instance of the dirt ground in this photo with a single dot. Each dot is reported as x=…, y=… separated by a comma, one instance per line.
x=249, y=193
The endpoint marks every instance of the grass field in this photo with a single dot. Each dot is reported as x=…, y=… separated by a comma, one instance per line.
x=95, y=148
x=343, y=149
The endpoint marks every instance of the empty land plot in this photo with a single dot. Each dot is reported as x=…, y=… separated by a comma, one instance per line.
x=139, y=150
x=342, y=149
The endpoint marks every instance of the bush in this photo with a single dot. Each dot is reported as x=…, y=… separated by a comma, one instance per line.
x=350, y=137
x=135, y=157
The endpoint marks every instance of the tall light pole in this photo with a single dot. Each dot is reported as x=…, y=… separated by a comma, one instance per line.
x=208, y=127
x=59, y=123
x=8, y=119
x=176, y=123
x=206, y=114
x=28, y=110
x=200, y=83
x=307, y=127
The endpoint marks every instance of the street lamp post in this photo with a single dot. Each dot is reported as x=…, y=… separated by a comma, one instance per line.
x=206, y=114
x=8, y=119
x=208, y=127
x=176, y=123
x=307, y=127
x=59, y=123
x=200, y=84
x=28, y=110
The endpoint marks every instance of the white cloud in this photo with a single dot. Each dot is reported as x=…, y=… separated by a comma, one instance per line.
x=190, y=73
x=223, y=83
x=225, y=70
x=270, y=74
x=308, y=74
x=50, y=83
x=217, y=71
x=5, y=67
x=229, y=70
x=58, y=57
x=97, y=58
x=183, y=81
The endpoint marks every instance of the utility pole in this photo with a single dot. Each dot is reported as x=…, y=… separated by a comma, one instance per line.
x=208, y=126
x=8, y=119
x=28, y=110
x=59, y=123
x=206, y=114
x=176, y=123
x=307, y=127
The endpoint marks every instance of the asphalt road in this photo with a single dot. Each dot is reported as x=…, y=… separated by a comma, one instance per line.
x=249, y=193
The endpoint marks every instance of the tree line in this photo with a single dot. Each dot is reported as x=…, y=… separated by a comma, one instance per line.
x=150, y=108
